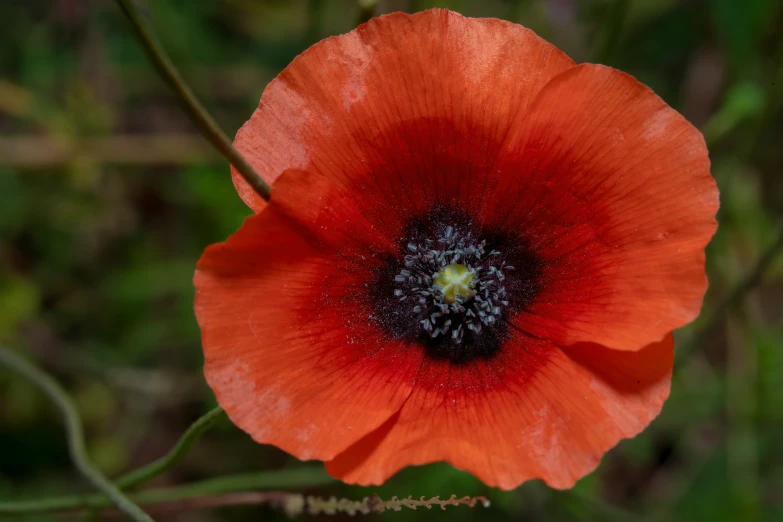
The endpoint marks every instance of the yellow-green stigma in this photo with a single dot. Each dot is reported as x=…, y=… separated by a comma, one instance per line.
x=455, y=281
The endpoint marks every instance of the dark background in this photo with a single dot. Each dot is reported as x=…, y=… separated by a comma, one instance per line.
x=108, y=196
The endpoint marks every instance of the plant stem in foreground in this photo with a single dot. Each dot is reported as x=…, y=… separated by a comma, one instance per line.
x=205, y=123
x=294, y=478
x=73, y=425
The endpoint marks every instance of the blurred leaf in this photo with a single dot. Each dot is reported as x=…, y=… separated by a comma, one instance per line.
x=108, y=453
x=213, y=190
x=95, y=401
x=19, y=300
x=770, y=379
x=708, y=496
x=14, y=204
x=22, y=402
x=743, y=101
x=151, y=280
x=741, y=24
x=656, y=52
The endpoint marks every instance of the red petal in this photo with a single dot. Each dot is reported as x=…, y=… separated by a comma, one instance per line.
x=390, y=95
x=535, y=411
x=613, y=190
x=291, y=351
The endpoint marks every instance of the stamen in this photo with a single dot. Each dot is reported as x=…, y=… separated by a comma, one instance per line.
x=454, y=284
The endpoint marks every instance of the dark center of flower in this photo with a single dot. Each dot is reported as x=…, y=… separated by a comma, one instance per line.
x=453, y=284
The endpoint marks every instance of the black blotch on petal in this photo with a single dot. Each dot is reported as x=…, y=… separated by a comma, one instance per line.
x=397, y=317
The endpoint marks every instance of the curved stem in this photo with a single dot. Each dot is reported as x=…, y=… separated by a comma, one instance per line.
x=169, y=460
x=73, y=425
x=205, y=123
x=293, y=478
x=176, y=454
x=275, y=499
x=302, y=477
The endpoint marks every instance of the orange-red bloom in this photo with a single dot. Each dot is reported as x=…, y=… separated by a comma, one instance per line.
x=475, y=252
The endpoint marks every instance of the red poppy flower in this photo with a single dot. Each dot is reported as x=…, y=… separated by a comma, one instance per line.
x=475, y=252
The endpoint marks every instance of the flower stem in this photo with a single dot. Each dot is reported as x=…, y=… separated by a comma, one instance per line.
x=205, y=123
x=169, y=460
x=73, y=425
x=294, y=478
x=176, y=454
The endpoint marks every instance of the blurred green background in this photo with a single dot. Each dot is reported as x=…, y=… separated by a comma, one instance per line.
x=108, y=195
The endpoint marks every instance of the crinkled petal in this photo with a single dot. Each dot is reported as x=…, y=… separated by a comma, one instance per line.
x=290, y=348
x=387, y=104
x=612, y=190
x=534, y=411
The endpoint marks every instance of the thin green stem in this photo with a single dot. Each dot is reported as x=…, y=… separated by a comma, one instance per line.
x=205, y=123
x=146, y=473
x=294, y=478
x=73, y=425
x=611, y=30
x=176, y=454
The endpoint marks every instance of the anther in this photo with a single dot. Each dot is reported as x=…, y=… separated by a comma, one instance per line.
x=443, y=276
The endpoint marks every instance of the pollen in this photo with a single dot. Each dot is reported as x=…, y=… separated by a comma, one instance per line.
x=455, y=281
x=453, y=284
